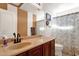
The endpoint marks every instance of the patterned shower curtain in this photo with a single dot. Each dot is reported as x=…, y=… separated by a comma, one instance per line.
x=66, y=31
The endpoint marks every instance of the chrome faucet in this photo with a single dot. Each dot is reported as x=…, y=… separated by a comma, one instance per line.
x=17, y=38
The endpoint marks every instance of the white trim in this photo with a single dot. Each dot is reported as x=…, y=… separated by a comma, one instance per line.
x=74, y=10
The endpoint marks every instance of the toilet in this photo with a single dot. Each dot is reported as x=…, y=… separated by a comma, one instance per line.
x=58, y=49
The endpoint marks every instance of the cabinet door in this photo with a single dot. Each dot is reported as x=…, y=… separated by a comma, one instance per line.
x=37, y=51
x=34, y=21
x=3, y=6
x=22, y=22
x=53, y=47
x=47, y=49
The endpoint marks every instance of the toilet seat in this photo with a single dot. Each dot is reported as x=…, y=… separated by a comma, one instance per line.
x=58, y=49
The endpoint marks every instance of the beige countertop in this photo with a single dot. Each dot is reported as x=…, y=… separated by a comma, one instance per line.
x=36, y=41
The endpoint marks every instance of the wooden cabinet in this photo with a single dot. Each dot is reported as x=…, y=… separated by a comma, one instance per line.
x=3, y=6
x=34, y=21
x=37, y=51
x=47, y=49
x=33, y=28
x=22, y=22
x=53, y=47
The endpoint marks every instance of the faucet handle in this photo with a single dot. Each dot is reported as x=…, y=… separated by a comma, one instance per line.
x=14, y=34
x=19, y=37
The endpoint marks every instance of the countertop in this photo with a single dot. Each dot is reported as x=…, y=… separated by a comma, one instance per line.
x=36, y=41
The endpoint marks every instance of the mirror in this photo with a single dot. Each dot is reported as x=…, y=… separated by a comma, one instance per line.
x=8, y=23
x=14, y=21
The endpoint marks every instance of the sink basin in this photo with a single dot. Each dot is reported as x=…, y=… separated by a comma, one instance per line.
x=19, y=45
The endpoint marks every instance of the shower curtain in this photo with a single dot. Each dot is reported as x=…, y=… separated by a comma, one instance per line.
x=66, y=30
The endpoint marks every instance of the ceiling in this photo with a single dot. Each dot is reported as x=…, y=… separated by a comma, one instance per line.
x=48, y=7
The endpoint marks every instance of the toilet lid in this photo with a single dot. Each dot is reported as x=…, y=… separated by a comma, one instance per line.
x=58, y=45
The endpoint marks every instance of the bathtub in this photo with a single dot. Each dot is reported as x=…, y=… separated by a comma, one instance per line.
x=58, y=49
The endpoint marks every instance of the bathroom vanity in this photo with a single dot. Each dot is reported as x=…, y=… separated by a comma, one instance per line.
x=35, y=46
x=41, y=50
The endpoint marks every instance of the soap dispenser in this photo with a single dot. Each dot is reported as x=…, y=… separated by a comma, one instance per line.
x=4, y=41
